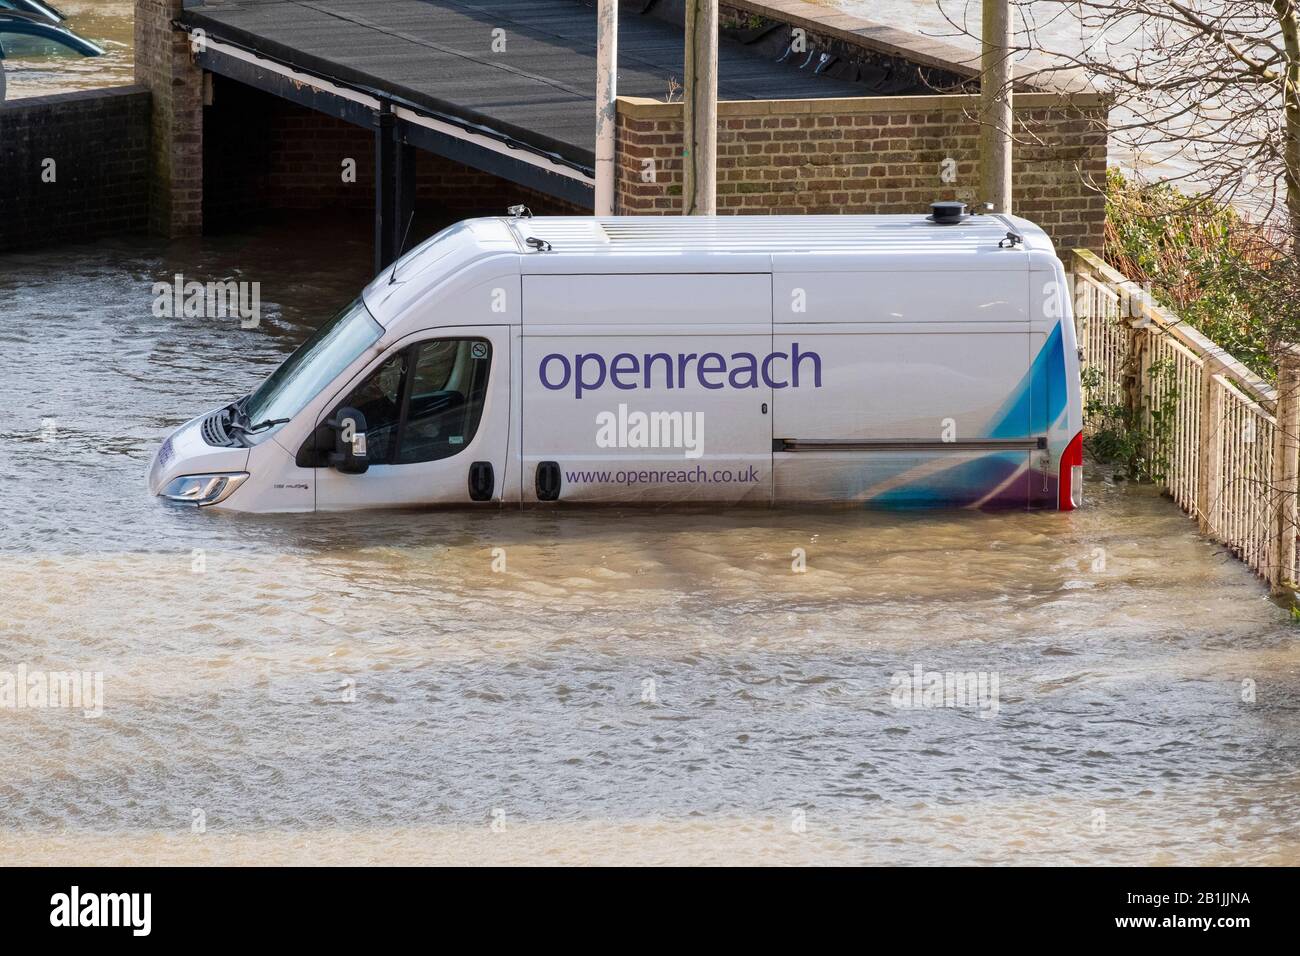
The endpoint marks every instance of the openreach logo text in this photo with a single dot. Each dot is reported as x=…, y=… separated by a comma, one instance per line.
x=40, y=690
x=925, y=689
x=103, y=909
x=591, y=371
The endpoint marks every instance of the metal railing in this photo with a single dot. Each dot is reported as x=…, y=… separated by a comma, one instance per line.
x=1225, y=439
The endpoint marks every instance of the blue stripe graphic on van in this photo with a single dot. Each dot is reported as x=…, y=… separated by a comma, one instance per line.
x=964, y=484
x=999, y=478
x=1022, y=416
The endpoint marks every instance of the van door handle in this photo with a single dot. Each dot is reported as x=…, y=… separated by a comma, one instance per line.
x=548, y=480
x=482, y=481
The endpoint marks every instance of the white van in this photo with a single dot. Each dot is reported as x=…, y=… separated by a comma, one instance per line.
x=886, y=360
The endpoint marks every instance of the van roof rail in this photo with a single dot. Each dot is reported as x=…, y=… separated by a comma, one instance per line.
x=858, y=235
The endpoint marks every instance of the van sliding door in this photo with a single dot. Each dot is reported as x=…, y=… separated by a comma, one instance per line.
x=923, y=396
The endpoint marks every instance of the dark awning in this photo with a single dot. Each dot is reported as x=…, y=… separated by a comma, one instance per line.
x=447, y=55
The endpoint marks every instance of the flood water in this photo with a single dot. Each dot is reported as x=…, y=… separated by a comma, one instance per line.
x=634, y=686
x=108, y=23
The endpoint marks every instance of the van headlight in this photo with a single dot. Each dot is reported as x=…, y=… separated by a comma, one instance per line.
x=203, y=489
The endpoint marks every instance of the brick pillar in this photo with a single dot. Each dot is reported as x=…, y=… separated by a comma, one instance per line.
x=647, y=157
x=163, y=64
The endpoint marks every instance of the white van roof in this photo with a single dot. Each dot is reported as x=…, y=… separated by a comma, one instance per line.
x=759, y=243
x=589, y=245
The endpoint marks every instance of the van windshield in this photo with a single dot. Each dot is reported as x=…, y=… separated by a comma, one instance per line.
x=315, y=363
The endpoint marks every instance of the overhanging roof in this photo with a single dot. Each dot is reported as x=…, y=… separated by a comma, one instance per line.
x=439, y=54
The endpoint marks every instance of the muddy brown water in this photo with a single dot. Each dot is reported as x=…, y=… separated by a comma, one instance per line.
x=634, y=686
x=108, y=23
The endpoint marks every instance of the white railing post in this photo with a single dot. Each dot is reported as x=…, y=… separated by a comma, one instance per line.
x=1209, y=470
x=1286, y=466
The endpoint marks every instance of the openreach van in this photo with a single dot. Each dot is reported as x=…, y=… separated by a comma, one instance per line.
x=883, y=360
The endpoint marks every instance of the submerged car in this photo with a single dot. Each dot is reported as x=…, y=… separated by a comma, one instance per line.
x=29, y=29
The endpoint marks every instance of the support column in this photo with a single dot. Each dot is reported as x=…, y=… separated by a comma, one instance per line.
x=163, y=63
x=405, y=187
x=386, y=214
x=995, y=106
x=606, y=103
x=700, y=110
x=1286, y=471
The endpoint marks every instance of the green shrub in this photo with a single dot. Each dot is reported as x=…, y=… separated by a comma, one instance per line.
x=1138, y=443
x=1230, y=279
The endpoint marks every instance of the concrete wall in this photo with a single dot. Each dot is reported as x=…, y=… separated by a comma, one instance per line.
x=873, y=155
x=99, y=144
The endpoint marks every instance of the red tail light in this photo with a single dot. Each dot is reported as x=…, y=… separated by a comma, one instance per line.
x=1069, y=484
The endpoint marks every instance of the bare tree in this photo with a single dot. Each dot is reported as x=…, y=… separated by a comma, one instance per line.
x=1212, y=87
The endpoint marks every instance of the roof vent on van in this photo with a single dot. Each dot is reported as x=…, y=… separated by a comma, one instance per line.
x=947, y=213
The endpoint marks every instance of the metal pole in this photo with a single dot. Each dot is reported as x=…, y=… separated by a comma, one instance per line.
x=995, y=106
x=385, y=185
x=606, y=103
x=404, y=179
x=700, y=110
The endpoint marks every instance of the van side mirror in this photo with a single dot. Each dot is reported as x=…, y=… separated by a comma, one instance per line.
x=349, y=428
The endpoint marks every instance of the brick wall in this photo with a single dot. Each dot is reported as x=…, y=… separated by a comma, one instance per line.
x=265, y=153
x=99, y=144
x=873, y=155
x=163, y=64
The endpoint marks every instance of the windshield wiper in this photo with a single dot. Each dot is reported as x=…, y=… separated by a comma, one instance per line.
x=260, y=426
